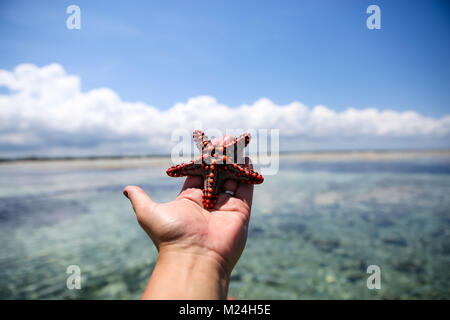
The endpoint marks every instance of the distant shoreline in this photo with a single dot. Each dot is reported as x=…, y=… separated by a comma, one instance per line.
x=163, y=160
x=282, y=154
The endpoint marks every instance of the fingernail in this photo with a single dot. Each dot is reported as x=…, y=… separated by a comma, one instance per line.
x=125, y=193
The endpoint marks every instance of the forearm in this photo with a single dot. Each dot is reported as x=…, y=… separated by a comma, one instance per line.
x=179, y=275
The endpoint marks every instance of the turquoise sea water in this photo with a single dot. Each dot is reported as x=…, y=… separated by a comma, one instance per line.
x=315, y=228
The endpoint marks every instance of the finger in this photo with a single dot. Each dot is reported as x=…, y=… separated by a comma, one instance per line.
x=140, y=201
x=245, y=191
x=145, y=210
x=233, y=204
x=193, y=194
x=229, y=185
x=192, y=182
x=192, y=189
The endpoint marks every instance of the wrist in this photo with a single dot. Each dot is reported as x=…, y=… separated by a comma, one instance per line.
x=182, y=274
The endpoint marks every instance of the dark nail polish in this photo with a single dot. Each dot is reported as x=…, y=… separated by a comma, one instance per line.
x=125, y=193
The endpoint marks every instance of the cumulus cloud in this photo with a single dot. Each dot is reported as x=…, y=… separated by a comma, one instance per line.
x=45, y=111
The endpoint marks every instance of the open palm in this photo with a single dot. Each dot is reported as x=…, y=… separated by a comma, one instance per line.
x=184, y=225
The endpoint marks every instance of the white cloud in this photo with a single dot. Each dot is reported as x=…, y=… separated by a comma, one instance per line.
x=46, y=112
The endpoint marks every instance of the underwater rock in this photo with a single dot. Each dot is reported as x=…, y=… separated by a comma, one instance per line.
x=292, y=227
x=350, y=265
x=307, y=236
x=408, y=266
x=445, y=248
x=236, y=277
x=255, y=231
x=363, y=265
x=379, y=219
x=438, y=233
x=272, y=283
x=326, y=245
x=383, y=222
x=355, y=276
x=395, y=240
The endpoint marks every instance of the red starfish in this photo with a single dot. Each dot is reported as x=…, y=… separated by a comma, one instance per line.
x=219, y=161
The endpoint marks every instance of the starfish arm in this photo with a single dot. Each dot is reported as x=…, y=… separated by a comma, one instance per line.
x=234, y=150
x=244, y=139
x=211, y=188
x=201, y=140
x=187, y=169
x=245, y=174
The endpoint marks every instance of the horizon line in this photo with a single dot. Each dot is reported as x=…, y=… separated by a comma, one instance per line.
x=168, y=155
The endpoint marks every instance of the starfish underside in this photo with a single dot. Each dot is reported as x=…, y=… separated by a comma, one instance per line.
x=217, y=163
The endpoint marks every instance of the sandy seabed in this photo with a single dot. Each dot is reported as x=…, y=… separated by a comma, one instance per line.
x=316, y=225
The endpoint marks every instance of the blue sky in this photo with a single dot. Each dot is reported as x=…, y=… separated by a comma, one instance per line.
x=139, y=70
x=316, y=52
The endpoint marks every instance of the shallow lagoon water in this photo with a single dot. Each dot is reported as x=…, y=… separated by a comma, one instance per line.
x=315, y=228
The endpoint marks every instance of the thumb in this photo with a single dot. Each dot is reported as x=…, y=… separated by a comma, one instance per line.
x=141, y=202
x=144, y=207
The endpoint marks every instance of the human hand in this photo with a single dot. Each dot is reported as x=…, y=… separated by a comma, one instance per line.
x=198, y=247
